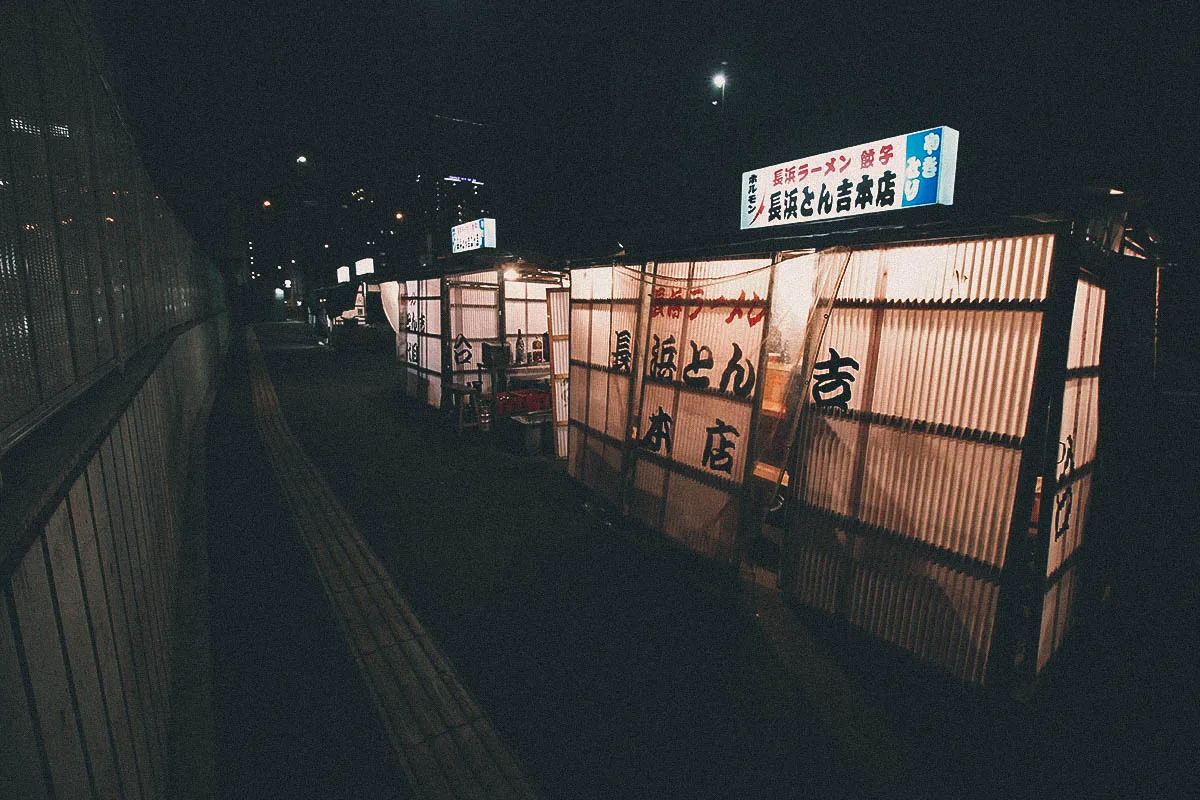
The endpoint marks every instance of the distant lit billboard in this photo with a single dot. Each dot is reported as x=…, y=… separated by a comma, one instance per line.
x=364, y=266
x=473, y=235
x=914, y=169
x=343, y=274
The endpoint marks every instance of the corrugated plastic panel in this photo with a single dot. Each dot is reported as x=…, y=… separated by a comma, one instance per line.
x=527, y=315
x=623, y=327
x=597, y=465
x=658, y=420
x=561, y=351
x=602, y=336
x=750, y=275
x=474, y=323
x=581, y=333
x=944, y=491
x=626, y=282
x=583, y=282
x=722, y=350
x=1056, y=615
x=849, y=337
x=712, y=435
x=1009, y=268
x=1080, y=422
x=485, y=276
x=831, y=448
x=1078, y=433
x=616, y=420
x=597, y=401
x=558, y=309
x=580, y=391
x=107, y=185
x=1069, y=519
x=942, y=615
x=815, y=573
x=1087, y=325
x=648, y=493
x=964, y=369
x=702, y=517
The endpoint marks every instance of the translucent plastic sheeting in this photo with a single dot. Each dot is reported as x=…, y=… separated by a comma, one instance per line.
x=917, y=413
x=1057, y=607
x=941, y=614
x=1004, y=268
x=558, y=311
x=423, y=340
x=805, y=289
x=1078, y=433
x=603, y=322
x=474, y=319
x=700, y=382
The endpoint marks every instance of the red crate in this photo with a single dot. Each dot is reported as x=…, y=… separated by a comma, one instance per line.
x=509, y=403
x=534, y=399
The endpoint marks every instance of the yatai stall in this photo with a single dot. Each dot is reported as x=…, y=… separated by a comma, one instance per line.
x=897, y=426
x=482, y=337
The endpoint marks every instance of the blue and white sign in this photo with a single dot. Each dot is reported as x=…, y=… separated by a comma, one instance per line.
x=473, y=235
x=914, y=169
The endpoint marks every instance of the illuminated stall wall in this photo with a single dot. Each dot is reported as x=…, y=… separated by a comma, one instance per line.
x=912, y=440
x=908, y=374
x=701, y=377
x=474, y=304
x=917, y=408
x=604, y=325
x=559, y=310
x=423, y=340
x=1077, y=446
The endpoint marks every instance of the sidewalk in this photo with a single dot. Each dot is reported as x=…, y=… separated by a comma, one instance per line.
x=291, y=718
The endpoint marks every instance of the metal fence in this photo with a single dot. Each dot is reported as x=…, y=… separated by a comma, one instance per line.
x=93, y=266
x=104, y=300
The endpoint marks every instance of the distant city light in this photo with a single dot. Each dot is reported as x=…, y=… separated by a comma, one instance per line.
x=719, y=80
x=279, y=293
x=399, y=215
x=326, y=247
x=287, y=284
x=266, y=203
x=1115, y=191
x=301, y=159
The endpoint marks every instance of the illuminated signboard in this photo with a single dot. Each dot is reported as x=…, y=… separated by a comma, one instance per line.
x=364, y=266
x=343, y=274
x=473, y=235
x=914, y=169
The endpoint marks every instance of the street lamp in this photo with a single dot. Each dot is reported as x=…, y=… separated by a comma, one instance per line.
x=719, y=82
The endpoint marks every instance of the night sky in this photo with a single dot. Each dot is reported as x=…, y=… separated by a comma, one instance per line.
x=593, y=123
